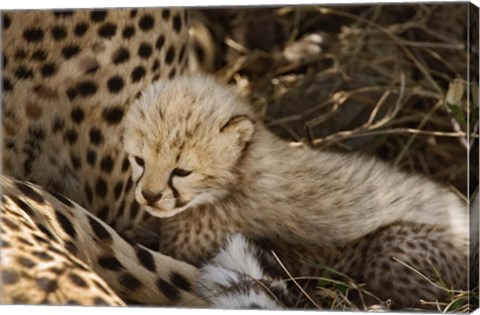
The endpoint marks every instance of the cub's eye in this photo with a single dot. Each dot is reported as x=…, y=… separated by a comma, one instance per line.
x=180, y=172
x=140, y=161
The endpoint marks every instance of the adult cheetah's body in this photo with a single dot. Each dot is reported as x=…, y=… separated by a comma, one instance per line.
x=68, y=77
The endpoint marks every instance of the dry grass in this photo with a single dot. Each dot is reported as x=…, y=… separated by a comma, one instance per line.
x=390, y=81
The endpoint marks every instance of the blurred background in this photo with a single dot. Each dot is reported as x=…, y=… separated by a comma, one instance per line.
x=395, y=81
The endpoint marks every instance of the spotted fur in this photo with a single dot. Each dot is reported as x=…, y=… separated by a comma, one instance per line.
x=71, y=228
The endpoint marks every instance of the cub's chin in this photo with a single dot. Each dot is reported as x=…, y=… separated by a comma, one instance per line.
x=164, y=213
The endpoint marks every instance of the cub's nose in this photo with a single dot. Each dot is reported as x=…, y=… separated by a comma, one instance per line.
x=151, y=197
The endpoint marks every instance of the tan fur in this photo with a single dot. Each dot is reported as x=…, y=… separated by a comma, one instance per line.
x=243, y=178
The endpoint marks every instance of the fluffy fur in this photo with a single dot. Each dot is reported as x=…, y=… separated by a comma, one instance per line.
x=232, y=278
x=238, y=166
x=205, y=164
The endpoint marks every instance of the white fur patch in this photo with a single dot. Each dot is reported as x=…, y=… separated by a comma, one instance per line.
x=235, y=264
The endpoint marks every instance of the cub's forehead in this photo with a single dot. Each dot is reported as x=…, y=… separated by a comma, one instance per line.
x=188, y=99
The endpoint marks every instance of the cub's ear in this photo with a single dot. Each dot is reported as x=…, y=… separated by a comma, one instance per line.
x=240, y=128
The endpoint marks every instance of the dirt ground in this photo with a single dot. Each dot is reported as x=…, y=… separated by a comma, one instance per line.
x=395, y=81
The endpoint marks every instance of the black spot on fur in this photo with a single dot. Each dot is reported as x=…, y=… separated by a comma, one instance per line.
x=91, y=157
x=33, y=34
x=100, y=286
x=146, y=23
x=110, y=263
x=65, y=223
x=134, y=209
x=120, y=56
x=61, y=198
x=98, y=15
x=71, y=136
x=170, y=292
x=156, y=65
x=25, y=262
x=99, y=230
x=121, y=209
x=166, y=14
x=100, y=301
x=39, y=55
x=101, y=188
x=48, y=69
x=63, y=13
x=117, y=190
x=103, y=213
x=30, y=192
x=24, y=240
x=9, y=276
x=125, y=164
x=129, y=184
x=10, y=144
x=47, y=285
x=79, y=282
x=23, y=73
x=170, y=56
x=86, y=88
x=76, y=162
x=80, y=29
x=7, y=85
x=20, y=54
x=177, y=23
x=77, y=115
x=43, y=256
x=89, y=193
x=129, y=281
x=133, y=13
x=107, y=30
x=71, y=247
x=70, y=51
x=71, y=93
x=6, y=22
x=58, y=124
x=128, y=32
x=46, y=232
x=182, y=53
x=96, y=136
x=179, y=281
x=41, y=239
x=144, y=50
x=146, y=259
x=59, y=32
x=106, y=164
x=25, y=207
x=138, y=73
x=160, y=42
x=113, y=115
x=115, y=84
x=10, y=224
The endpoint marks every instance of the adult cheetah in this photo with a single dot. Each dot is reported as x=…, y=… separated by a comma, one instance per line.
x=70, y=223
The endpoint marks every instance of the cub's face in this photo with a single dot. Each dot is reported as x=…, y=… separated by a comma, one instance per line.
x=185, y=139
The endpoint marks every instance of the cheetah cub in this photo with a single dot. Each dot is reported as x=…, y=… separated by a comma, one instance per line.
x=208, y=167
